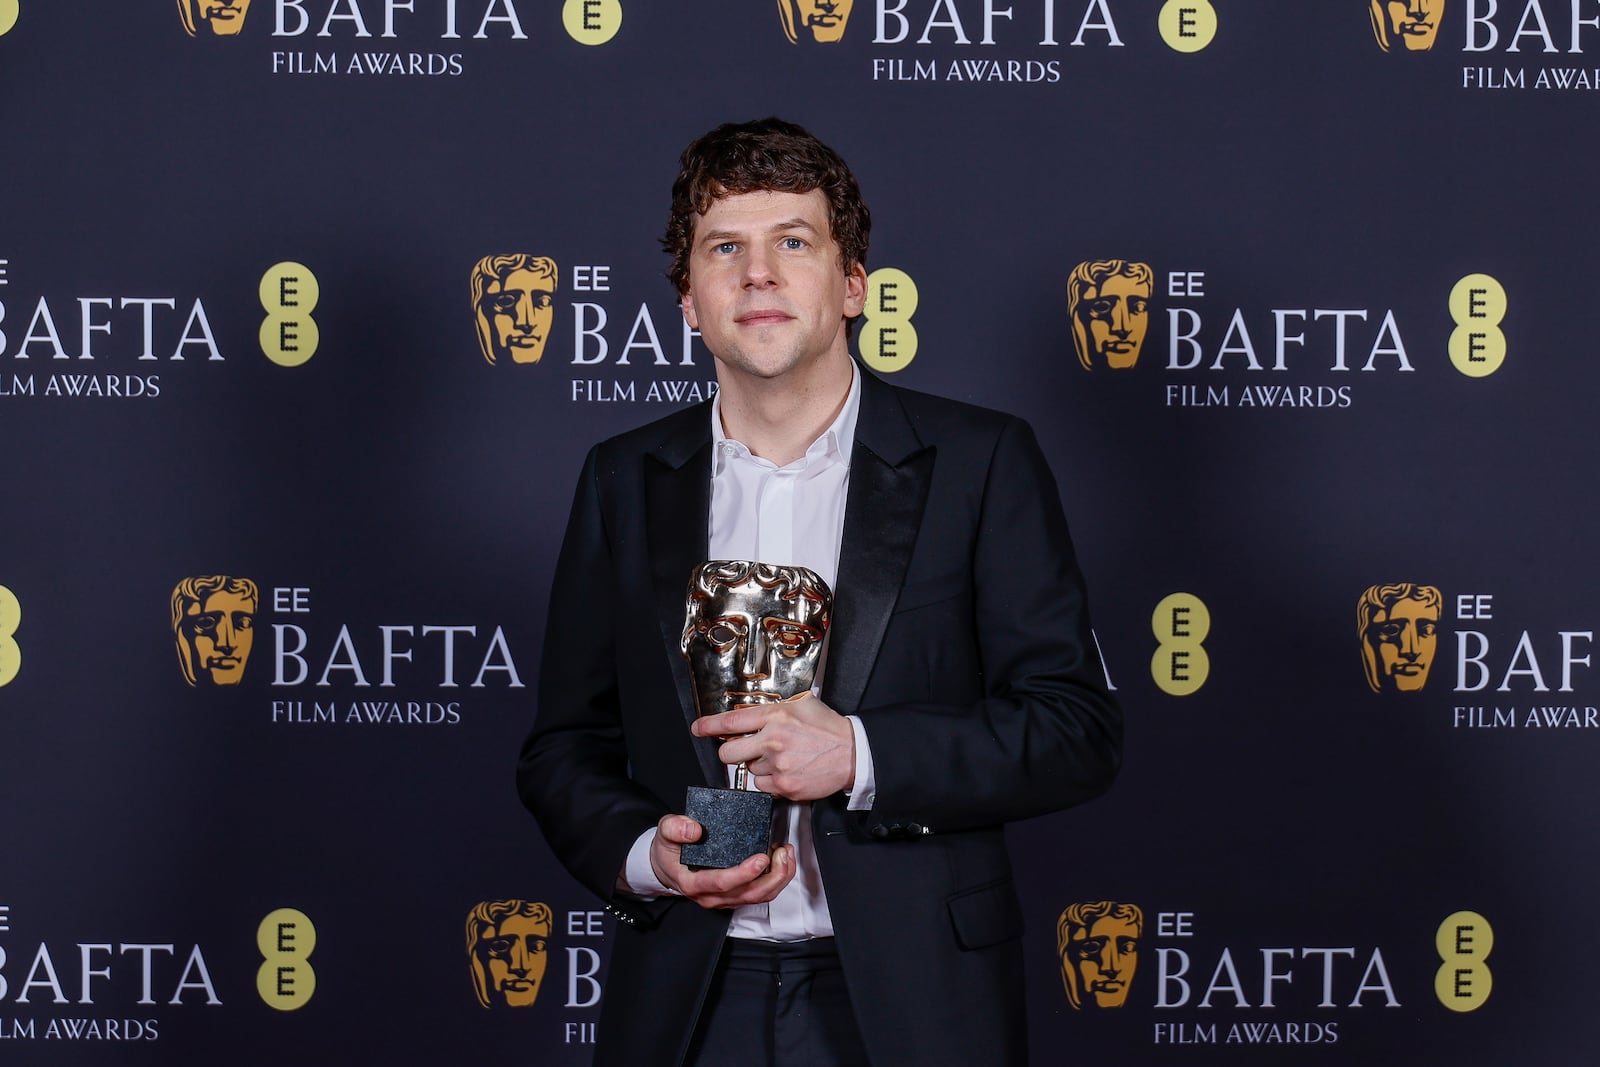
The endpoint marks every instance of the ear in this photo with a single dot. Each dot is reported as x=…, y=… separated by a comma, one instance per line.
x=855, y=290
x=686, y=302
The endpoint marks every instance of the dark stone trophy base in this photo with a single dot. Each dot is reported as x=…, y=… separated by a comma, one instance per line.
x=737, y=824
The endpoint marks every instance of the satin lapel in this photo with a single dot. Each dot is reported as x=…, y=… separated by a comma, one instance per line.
x=677, y=507
x=890, y=472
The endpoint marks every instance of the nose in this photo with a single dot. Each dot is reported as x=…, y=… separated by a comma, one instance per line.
x=518, y=961
x=523, y=322
x=760, y=272
x=1408, y=642
x=753, y=655
x=1119, y=319
x=225, y=635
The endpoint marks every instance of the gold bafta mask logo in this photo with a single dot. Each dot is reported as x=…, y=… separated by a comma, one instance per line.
x=214, y=622
x=513, y=299
x=753, y=632
x=824, y=20
x=506, y=946
x=224, y=18
x=1414, y=23
x=1109, y=303
x=1399, y=627
x=1099, y=948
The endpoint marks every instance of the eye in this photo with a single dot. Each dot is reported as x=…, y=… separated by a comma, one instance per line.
x=1087, y=949
x=793, y=244
x=722, y=635
x=500, y=947
x=1389, y=631
x=726, y=248
x=1101, y=309
x=542, y=300
x=1127, y=945
x=206, y=623
x=241, y=621
x=1138, y=305
x=1426, y=627
x=503, y=303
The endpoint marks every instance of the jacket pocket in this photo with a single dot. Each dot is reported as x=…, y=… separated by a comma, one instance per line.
x=986, y=915
x=920, y=594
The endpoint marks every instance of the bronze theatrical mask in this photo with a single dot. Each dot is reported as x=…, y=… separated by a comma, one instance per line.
x=752, y=634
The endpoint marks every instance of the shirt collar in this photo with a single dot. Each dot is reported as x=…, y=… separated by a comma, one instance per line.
x=834, y=444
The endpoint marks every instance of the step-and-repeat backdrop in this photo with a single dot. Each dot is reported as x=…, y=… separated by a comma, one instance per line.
x=309, y=310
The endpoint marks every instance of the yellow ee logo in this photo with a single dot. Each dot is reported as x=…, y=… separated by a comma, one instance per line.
x=1180, y=666
x=1477, y=304
x=9, y=10
x=285, y=980
x=888, y=340
x=592, y=22
x=1463, y=981
x=289, y=293
x=1187, y=25
x=10, y=619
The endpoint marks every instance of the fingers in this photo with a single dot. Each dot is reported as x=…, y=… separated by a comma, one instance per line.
x=757, y=880
x=745, y=720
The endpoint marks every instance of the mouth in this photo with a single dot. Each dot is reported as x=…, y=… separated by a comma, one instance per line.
x=735, y=697
x=527, y=340
x=763, y=318
x=222, y=663
x=1419, y=29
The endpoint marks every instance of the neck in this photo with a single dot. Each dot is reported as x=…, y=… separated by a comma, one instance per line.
x=778, y=419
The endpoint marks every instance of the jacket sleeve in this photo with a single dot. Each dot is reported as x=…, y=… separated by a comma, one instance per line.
x=573, y=773
x=989, y=702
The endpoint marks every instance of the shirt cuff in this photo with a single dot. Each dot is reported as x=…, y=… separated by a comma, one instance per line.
x=865, y=791
x=638, y=877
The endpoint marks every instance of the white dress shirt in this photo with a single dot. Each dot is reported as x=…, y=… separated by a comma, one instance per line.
x=788, y=516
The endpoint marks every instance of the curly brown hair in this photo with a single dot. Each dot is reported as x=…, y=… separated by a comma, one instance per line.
x=767, y=154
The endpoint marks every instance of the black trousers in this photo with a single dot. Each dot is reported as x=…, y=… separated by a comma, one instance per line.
x=777, y=1005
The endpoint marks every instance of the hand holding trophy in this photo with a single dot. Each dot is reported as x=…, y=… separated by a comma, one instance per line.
x=752, y=634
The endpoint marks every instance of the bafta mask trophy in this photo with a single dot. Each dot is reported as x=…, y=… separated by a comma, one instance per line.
x=752, y=634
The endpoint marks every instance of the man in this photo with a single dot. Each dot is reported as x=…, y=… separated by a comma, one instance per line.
x=1414, y=23
x=1399, y=627
x=826, y=19
x=959, y=690
x=511, y=297
x=224, y=18
x=213, y=621
x=1099, y=949
x=506, y=946
x=1108, y=301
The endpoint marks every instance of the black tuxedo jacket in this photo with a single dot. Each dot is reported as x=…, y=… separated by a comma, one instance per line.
x=961, y=638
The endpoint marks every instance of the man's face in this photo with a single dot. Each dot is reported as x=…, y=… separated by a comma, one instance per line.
x=519, y=310
x=751, y=646
x=1414, y=23
x=1103, y=958
x=766, y=290
x=1404, y=639
x=225, y=17
x=1114, y=317
x=825, y=18
x=513, y=957
x=218, y=633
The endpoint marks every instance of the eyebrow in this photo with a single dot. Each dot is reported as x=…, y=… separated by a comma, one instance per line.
x=718, y=236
